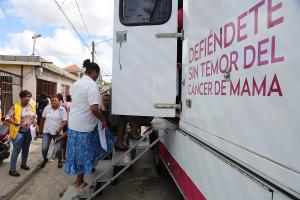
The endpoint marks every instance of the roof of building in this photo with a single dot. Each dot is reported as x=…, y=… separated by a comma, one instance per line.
x=35, y=61
x=16, y=60
x=72, y=68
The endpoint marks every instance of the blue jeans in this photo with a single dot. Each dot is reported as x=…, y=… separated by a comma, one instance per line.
x=21, y=142
x=47, y=137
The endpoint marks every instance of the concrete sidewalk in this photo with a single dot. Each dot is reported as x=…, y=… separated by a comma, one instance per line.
x=10, y=185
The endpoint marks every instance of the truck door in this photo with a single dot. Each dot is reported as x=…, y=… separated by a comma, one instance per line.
x=144, y=64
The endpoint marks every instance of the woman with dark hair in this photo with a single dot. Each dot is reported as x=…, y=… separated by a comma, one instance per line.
x=68, y=98
x=53, y=121
x=67, y=103
x=41, y=105
x=84, y=116
x=20, y=117
x=61, y=98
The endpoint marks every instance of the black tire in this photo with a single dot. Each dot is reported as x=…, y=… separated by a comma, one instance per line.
x=158, y=163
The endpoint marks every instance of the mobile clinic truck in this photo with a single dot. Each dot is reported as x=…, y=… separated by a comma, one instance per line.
x=238, y=111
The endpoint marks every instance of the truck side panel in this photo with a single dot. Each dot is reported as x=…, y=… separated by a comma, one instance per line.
x=214, y=179
x=240, y=76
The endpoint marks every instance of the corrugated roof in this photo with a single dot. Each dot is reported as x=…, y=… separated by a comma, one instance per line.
x=35, y=61
x=59, y=71
x=73, y=68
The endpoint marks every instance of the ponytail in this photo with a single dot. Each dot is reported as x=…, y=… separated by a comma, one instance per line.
x=90, y=66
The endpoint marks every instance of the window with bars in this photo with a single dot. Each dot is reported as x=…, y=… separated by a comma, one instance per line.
x=47, y=87
x=10, y=87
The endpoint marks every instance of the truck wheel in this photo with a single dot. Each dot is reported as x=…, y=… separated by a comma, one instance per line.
x=158, y=164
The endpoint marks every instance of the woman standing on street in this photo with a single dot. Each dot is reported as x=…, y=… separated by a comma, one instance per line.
x=67, y=106
x=20, y=117
x=53, y=121
x=83, y=119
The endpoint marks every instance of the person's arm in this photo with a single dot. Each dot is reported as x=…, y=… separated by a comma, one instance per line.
x=10, y=116
x=34, y=119
x=94, y=99
x=10, y=121
x=98, y=113
x=61, y=127
x=43, y=119
x=63, y=136
x=64, y=120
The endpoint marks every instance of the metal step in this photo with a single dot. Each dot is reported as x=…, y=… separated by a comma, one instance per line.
x=119, y=158
x=104, y=175
x=133, y=161
x=71, y=193
x=140, y=146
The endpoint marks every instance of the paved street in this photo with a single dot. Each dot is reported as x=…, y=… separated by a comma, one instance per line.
x=140, y=183
x=143, y=183
x=8, y=184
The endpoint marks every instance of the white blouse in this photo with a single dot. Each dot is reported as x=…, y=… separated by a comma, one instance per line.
x=54, y=118
x=84, y=93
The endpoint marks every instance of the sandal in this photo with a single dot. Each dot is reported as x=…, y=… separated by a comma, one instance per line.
x=81, y=186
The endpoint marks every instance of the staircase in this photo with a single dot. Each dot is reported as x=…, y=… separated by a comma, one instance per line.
x=111, y=169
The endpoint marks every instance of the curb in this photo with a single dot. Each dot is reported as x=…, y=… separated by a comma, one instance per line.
x=14, y=190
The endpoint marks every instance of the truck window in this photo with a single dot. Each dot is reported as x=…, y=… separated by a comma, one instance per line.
x=145, y=12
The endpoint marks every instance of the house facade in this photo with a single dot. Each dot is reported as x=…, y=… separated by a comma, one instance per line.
x=31, y=73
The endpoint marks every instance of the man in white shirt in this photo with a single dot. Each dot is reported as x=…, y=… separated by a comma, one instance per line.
x=54, y=119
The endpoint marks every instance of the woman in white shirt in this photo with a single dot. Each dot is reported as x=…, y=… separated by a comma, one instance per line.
x=83, y=119
x=54, y=119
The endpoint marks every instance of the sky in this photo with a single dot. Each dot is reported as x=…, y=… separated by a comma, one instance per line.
x=59, y=43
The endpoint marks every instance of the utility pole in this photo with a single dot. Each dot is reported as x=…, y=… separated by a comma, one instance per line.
x=93, y=51
x=34, y=39
x=93, y=47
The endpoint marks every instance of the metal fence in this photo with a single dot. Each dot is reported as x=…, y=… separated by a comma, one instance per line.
x=46, y=87
x=10, y=86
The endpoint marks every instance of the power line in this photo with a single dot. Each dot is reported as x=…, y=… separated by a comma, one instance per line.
x=83, y=20
x=94, y=53
x=62, y=3
x=77, y=15
x=94, y=44
x=103, y=73
x=103, y=41
x=72, y=25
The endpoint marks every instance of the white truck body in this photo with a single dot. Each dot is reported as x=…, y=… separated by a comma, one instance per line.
x=238, y=135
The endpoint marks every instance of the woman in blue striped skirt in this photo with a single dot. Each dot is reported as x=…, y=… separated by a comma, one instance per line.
x=83, y=119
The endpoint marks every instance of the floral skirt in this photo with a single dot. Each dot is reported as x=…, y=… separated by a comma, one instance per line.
x=82, y=152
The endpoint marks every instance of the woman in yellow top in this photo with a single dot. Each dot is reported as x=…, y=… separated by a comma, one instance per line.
x=20, y=117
